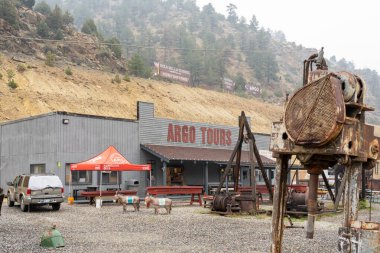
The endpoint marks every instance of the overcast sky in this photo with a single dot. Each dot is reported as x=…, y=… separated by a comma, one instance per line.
x=347, y=29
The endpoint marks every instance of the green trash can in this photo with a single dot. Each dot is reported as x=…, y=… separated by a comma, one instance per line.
x=52, y=238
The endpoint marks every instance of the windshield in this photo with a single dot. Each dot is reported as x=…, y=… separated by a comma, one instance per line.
x=42, y=182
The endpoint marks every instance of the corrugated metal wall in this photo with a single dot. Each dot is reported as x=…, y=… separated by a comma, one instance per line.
x=27, y=142
x=46, y=140
x=155, y=131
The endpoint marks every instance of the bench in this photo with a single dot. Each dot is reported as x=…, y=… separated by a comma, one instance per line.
x=92, y=194
x=177, y=190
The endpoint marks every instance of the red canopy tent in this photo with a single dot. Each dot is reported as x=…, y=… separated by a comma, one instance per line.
x=109, y=160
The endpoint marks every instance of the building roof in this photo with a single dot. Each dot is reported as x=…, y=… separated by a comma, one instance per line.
x=176, y=153
x=66, y=114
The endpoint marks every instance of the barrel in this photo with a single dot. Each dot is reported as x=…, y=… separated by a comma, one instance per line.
x=220, y=202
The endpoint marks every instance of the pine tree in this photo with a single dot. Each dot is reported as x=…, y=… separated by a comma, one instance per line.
x=8, y=12
x=28, y=3
x=55, y=19
x=43, y=8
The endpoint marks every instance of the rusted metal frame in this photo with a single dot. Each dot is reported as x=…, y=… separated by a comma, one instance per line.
x=312, y=109
x=253, y=175
x=328, y=186
x=258, y=158
x=341, y=189
x=234, y=152
x=279, y=203
x=306, y=65
x=351, y=205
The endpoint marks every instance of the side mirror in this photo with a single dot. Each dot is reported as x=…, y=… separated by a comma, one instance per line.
x=10, y=183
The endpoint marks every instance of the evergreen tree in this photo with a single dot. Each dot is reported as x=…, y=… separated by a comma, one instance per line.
x=28, y=3
x=115, y=46
x=55, y=19
x=254, y=24
x=43, y=8
x=137, y=67
x=43, y=29
x=240, y=82
x=89, y=27
x=67, y=18
x=8, y=12
x=232, y=16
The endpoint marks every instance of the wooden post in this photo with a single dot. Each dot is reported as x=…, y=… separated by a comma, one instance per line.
x=253, y=176
x=279, y=202
x=351, y=205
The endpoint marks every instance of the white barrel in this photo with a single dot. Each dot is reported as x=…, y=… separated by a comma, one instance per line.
x=98, y=202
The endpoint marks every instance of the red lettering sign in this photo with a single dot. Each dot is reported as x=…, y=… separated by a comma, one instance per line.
x=185, y=132
x=177, y=133
x=210, y=136
x=203, y=129
x=228, y=142
x=222, y=137
x=170, y=133
x=192, y=134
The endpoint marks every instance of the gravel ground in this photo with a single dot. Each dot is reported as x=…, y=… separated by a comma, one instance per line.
x=188, y=229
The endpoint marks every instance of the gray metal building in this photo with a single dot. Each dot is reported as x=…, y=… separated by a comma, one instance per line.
x=180, y=152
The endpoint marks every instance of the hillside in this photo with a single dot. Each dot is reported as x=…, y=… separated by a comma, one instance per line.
x=30, y=40
x=43, y=89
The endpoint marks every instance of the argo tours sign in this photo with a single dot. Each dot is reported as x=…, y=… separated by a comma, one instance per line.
x=188, y=134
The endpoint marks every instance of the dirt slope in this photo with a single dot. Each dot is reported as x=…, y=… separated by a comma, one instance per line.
x=43, y=89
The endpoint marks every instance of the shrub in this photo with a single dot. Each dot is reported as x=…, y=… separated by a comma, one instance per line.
x=50, y=58
x=43, y=30
x=8, y=12
x=10, y=74
x=21, y=68
x=116, y=79
x=43, y=8
x=68, y=71
x=278, y=93
x=363, y=204
x=1, y=76
x=126, y=78
x=12, y=84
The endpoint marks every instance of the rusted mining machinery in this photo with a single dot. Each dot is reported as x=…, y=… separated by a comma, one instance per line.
x=237, y=200
x=324, y=125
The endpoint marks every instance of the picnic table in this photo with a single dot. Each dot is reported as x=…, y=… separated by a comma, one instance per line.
x=93, y=194
x=177, y=190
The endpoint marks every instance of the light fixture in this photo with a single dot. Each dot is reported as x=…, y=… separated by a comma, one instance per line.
x=65, y=121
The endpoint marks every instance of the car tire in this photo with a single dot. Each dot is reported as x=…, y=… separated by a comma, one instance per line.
x=23, y=207
x=9, y=201
x=56, y=206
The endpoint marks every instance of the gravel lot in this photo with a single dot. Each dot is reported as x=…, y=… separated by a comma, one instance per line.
x=188, y=229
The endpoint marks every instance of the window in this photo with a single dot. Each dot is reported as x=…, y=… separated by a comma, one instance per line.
x=110, y=177
x=37, y=169
x=26, y=181
x=78, y=176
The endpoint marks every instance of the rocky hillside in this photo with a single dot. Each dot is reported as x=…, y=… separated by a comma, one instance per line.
x=43, y=89
x=72, y=47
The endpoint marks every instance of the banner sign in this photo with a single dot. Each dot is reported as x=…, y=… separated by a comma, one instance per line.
x=172, y=73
